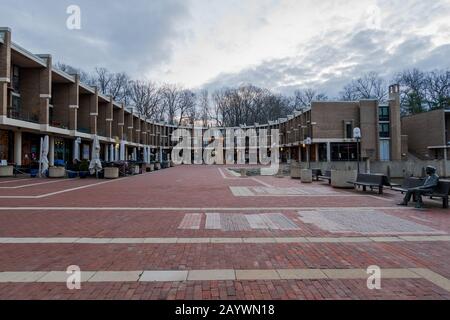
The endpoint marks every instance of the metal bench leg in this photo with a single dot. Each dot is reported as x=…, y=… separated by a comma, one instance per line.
x=364, y=188
x=445, y=202
x=380, y=190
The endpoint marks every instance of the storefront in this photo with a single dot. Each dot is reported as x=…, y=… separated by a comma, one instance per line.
x=63, y=150
x=344, y=151
x=31, y=145
x=7, y=145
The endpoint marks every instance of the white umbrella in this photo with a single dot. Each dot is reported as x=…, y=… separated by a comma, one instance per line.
x=76, y=149
x=122, y=151
x=43, y=160
x=95, y=164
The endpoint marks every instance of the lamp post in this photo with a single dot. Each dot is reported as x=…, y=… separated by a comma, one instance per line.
x=308, y=142
x=357, y=136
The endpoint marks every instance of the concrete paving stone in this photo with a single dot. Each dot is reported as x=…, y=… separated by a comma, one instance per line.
x=346, y=273
x=398, y=274
x=386, y=239
x=194, y=240
x=128, y=240
x=257, y=275
x=204, y=275
x=23, y=276
x=94, y=240
x=259, y=240
x=301, y=274
x=62, y=276
x=433, y=277
x=160, y=240
x=227, y=240
x=291, y=240
x=163, y=276
x=116, y=276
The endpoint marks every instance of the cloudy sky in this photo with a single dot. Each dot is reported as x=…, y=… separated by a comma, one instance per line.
x=278, y=44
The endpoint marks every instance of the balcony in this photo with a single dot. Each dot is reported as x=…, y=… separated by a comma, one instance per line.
x=23, y=115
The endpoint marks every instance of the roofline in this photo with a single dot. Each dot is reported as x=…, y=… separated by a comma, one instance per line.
x=28, y=54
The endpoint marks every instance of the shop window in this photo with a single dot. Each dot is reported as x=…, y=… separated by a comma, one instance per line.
x=344, y=151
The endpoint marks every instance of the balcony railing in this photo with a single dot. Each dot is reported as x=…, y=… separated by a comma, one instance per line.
x=83, y=130
x=23, y=115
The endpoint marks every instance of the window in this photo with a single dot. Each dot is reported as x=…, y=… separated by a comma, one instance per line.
x=384, y=130
x=344, y=151
x=348, y=130
x=384, y=114
x=16, y=78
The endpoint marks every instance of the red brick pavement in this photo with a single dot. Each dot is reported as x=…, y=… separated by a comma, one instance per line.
x=202, y=187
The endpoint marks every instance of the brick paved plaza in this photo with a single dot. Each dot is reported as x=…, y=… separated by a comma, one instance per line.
x=201, y=232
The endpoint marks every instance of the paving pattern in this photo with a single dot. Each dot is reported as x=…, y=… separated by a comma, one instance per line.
x=204, y=232
x=362, y=221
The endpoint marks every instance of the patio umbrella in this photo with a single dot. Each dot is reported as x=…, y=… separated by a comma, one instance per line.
x=43, y=160
x=122, y=151
x=145, y=154
x=76, y=149
x=95, y=164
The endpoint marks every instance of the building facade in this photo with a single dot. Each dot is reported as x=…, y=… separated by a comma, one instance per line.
x=36, y=100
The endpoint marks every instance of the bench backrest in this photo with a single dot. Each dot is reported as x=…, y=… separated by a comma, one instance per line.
x=327, y=173
x=316, y=172
x=443, y=187
x=370, y=178
x=412, y=182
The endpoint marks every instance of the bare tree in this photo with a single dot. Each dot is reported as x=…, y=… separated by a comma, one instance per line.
x=186, y=107
x=146, y=98
x=437, y=89
x=84, y=76
x=369, y=86
x=303, y=98
x=412, y=91
x=204, y=111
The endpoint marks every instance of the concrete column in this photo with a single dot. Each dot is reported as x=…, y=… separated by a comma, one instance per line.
x=51, y=151
x=328, y=152
x=5, y=69
x=18, y=148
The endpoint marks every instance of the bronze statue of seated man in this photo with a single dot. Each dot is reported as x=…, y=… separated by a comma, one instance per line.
x=428, y=186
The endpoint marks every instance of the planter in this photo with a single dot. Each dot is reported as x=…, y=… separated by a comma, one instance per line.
x=34, y=173
x=136, y=169
x=165, y=164
x=339, y=178
x=151, y=167
x=72, y=174
x=111, y=173
x=6, y=171
x=172, y=164
x=157, y=166
x=306, y=175
x=84, y=174
x=243, y=172
x=56, y=172
x=296, y=170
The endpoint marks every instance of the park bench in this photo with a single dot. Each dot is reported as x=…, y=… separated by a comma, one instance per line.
x=326, y=176
x=407, y=184
x=316, y=173
x=372, y=181
x=441, y=191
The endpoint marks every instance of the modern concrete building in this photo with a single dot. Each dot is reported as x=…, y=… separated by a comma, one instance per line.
x=330, y=125
x=428, y=134
x=36, y=100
